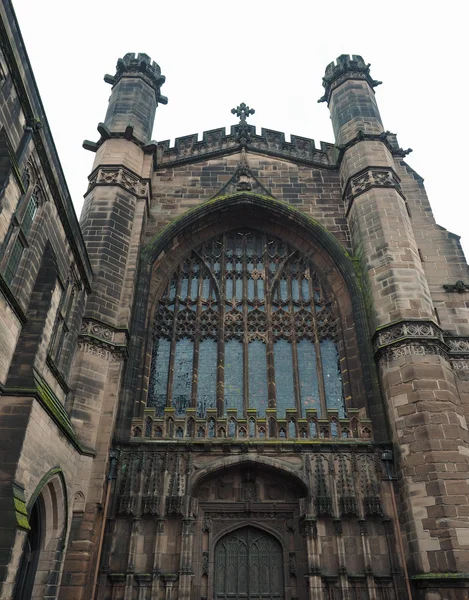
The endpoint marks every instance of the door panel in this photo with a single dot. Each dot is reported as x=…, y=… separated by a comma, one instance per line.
x=248, y=565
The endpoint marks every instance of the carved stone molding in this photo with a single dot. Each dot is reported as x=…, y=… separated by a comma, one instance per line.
x=371, y=177
x=460, y=365
x=101, y=350
x=101, y=340
x=96, y=329
x=397, y=352
x=119, y=176
x=406, y=330
x=458, y=345
x=421, y=338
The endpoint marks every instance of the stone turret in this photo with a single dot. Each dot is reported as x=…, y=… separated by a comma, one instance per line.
x=112, y=220
x=135, y=96
x=413, y=369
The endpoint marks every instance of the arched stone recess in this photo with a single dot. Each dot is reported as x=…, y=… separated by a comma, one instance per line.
x=313, y=241
x=291, y=469
x=43, y=551
x=250, y=496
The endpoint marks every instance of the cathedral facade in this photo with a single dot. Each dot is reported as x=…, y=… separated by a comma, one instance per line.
x=243, y=374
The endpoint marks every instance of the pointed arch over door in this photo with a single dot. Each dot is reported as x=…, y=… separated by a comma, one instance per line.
x=248, y=565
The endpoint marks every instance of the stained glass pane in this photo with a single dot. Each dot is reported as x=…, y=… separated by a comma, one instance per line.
x=295, y=289
x=258, y=393
x=184, y=287
x=159, y=375
x=205, y=288
x=229, y=289
x=183, y=363
x=194, y=288
x=260, y=289
x=239, y=289
x=284, y=376
x=207, y=380
x=283, y=289
x=332, y=377
x=309, y=387
x=234, y=375
x=305, y=289
x=251, y=289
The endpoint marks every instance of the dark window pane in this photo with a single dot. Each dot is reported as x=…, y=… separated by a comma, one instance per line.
x=14, y=260
x=309, y=387
x=234, y=375
x=284, y=376
x=29, y=214
x=183, y=362
x=207, y=379
x=258, y=394
x=159, y=375
x=332, y=377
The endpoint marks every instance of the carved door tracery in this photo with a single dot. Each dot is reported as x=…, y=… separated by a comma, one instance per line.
x=248, y=565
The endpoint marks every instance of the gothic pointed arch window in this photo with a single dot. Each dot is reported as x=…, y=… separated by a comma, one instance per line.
x=246, y=322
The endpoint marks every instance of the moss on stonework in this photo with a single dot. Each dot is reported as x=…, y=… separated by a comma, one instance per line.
x=220, y=199
x=436, y=576
x=21, y=512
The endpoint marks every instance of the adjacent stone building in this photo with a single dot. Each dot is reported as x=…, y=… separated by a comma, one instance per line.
x=243, y=374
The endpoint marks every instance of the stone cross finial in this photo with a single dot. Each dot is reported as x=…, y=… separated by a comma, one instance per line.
x=242, y=111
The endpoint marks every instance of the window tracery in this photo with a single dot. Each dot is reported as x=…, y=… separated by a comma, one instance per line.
x=244, y=323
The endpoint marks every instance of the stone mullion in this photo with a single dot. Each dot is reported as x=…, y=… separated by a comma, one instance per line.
x=338, y=527
x=391, y=543
x=157, y=555
x=136, y=531
x=268, y=306
x=294, y=348
x=365, y=542
x=195, y=362
x=317, y=345
x=172, y=353
x=245, y=330
x=186, y=567
x=221, y=333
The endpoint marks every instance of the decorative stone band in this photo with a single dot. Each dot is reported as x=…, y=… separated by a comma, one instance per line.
x=406, y=330
x=122, y=177
x=102, y=340
x=371, y=177
x=216, y=141
x=253, y=429
x=102, y=350
x=387, y=138
x=420, y=338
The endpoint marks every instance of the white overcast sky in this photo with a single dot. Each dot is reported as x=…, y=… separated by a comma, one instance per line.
x=271, y=55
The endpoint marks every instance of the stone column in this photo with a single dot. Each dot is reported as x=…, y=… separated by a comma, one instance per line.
x=113, y=217
x=427, y=422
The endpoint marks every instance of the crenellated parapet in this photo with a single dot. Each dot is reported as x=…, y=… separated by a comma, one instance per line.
x=270, y=142
x=344, y=68
x=141, y=66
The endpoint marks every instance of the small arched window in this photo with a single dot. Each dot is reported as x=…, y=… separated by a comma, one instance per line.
x=245, y=322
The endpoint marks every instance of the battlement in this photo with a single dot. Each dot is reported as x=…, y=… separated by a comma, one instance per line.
x=217, y=141
x=139, y=65
x=345, y=67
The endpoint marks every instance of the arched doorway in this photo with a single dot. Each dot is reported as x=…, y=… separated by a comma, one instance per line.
x=248, y=565
x=29, y=560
